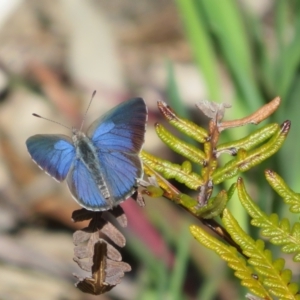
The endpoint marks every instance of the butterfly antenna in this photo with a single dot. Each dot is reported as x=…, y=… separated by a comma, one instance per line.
x=83, y=119
x=38, y=116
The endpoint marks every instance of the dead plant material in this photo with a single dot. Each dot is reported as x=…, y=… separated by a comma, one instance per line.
x=97, y=256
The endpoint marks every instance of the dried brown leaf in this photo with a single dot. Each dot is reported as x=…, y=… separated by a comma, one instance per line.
x=138, y=197
x=95, y=255
x=255, y=118
x=97, y=284
x=114, y=234
x=118, y=214
x=80, y=236
x=83, y=215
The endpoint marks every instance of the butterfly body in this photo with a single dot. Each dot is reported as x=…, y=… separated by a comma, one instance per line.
x=101, y=167
x=87, y=153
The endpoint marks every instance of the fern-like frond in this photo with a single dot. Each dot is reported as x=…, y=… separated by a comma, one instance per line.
x=289, y=197
x=274, y=277
x=248, y=152
x=279, y=232
x=159, y=186
x=245, y=160
x=235, y=261
x=173, y=171
x=188, y=151
x=185, y=126
x=252, y=140
x=213, y=207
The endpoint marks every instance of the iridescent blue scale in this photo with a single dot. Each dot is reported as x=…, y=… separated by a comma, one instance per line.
x=103, y=166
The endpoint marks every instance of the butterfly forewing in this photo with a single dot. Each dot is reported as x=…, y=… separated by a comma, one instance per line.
x=122, y=128
x=53, y=153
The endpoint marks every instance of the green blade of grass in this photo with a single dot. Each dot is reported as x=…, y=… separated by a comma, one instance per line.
x=203, y=50
x=288, y=63
x=264, y=65
x=281, y=15
x=173, y=93
x=226, y=23
x=179, y=271
x=229, y=29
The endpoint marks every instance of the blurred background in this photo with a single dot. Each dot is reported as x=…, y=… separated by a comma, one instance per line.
x=54, y=54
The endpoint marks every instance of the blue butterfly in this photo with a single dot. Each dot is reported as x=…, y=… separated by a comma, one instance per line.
x=102, y=167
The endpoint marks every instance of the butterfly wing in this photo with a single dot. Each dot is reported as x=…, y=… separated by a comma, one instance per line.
x=84, y=189
x=121, y=171
x=118, y=137
x=53, y=153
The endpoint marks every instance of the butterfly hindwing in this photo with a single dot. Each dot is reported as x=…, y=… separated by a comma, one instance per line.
x=84, y=188
x=121, y=172
x=53, y=153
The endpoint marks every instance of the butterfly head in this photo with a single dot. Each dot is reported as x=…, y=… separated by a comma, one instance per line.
x=77, y=135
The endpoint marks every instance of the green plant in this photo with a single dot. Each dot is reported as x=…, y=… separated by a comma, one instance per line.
x=253, y=264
